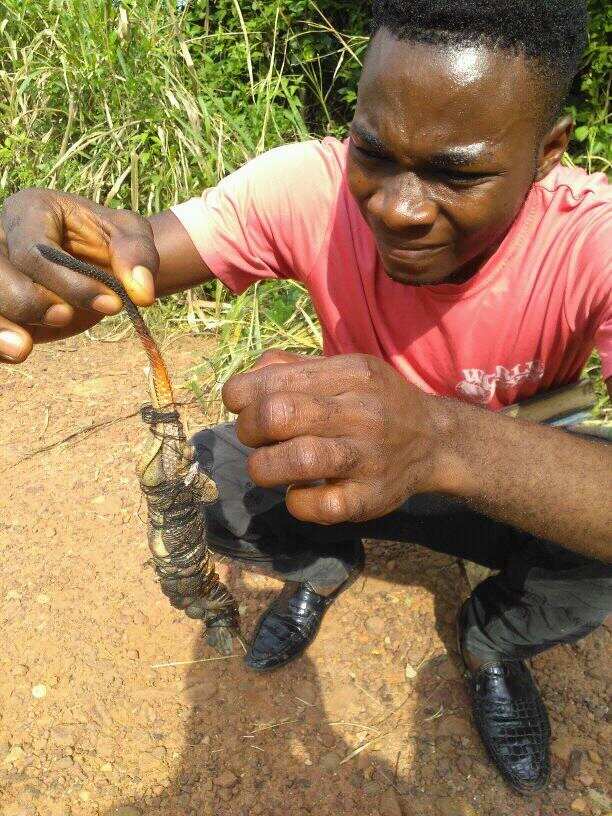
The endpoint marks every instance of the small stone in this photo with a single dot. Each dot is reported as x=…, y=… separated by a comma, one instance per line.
x=226, y=780
x=20, y=670
x=595, y=758
x=410, y=672
x=133, y=654
x=43, y=599
x=13, y=595
x=39, y=691
x=579, y=805
x=14, y=755
x=126, y=810
x=330, y=761
x=600, y=800
x=586, y=780
x=65, y=763
x=84, y=796
x=390, y=804
x=375, y=626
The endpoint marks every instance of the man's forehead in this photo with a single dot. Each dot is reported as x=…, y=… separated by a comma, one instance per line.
x=475, y=93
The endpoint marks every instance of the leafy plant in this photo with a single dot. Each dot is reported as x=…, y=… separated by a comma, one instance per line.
x=143, y=103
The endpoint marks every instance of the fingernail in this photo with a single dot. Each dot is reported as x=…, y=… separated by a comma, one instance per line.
x=58, y=315
x=107, y=304
x=11, y=344
x=143, y=279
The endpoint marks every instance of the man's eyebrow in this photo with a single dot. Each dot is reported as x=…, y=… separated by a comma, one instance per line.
x=369, y=138
x=459, y=156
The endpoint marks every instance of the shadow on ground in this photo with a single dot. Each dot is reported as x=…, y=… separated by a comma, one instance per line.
x=279, y=744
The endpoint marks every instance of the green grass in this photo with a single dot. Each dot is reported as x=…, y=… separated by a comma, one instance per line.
x=164, y=104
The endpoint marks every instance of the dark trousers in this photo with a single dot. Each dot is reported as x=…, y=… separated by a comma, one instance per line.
x=543, y=594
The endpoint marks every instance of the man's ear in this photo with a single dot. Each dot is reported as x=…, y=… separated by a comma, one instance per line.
x=554, y=145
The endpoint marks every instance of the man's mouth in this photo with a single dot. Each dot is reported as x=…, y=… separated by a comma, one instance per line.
x=413, y=251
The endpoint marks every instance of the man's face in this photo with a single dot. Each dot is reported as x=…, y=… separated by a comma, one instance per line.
x=443, y=151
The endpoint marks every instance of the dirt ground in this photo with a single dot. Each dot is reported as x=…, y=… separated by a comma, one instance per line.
x=373, y=720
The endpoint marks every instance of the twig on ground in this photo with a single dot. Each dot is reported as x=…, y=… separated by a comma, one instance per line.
x=286, y=721
x=89, y=429
x=191, y=662
x=365, y=745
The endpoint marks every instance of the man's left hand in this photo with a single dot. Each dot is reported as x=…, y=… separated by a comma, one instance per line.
x=347, y=433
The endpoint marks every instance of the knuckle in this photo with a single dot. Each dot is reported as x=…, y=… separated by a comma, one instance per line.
x=344, y=456
x=366, y=367
x=354, y=507
x=21, y=308
x=276, y=413
x=28, y=260
x=269, y=355
x=305, y=456
x=344, y=504
x=258, y=465
x=334, y=506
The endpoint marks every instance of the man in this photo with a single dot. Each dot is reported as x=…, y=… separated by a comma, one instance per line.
x=455, y=267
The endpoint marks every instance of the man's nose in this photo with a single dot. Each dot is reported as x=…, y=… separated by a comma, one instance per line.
x=402, y=203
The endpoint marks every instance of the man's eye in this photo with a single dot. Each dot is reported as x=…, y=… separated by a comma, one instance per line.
x=463, y=179
x=368, y=154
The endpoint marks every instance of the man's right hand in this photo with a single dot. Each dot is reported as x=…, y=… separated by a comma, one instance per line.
x=40, y=301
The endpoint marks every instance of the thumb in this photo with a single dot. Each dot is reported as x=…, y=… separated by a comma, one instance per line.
x=134, y=260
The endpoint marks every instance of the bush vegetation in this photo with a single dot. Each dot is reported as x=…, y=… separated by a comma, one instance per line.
x=143, y=103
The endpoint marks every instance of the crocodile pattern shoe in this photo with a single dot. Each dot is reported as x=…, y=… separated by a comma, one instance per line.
x=512, y=721
x=288, y=626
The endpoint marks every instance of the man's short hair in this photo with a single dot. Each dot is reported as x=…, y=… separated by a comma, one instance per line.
x=551, y=34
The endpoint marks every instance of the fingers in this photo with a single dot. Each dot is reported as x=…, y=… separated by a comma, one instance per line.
x=27, y=303
x=71, y=288
x=278, y=357
x=15, y=342
x=323, y=376
x=282, y=416
x=333, y=503
x=304, y=459
x=119, y=241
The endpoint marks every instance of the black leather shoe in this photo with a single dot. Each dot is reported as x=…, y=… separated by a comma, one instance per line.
x=288, y=626
x=512, y=722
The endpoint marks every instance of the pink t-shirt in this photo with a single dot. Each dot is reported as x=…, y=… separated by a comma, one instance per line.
x=525, y=323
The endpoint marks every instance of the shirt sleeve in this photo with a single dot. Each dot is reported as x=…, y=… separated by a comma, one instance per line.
x=270, y=218
x=597, y=255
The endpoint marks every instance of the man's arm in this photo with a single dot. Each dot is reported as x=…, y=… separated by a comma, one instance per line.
x=180, y=264
x=375, y=440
